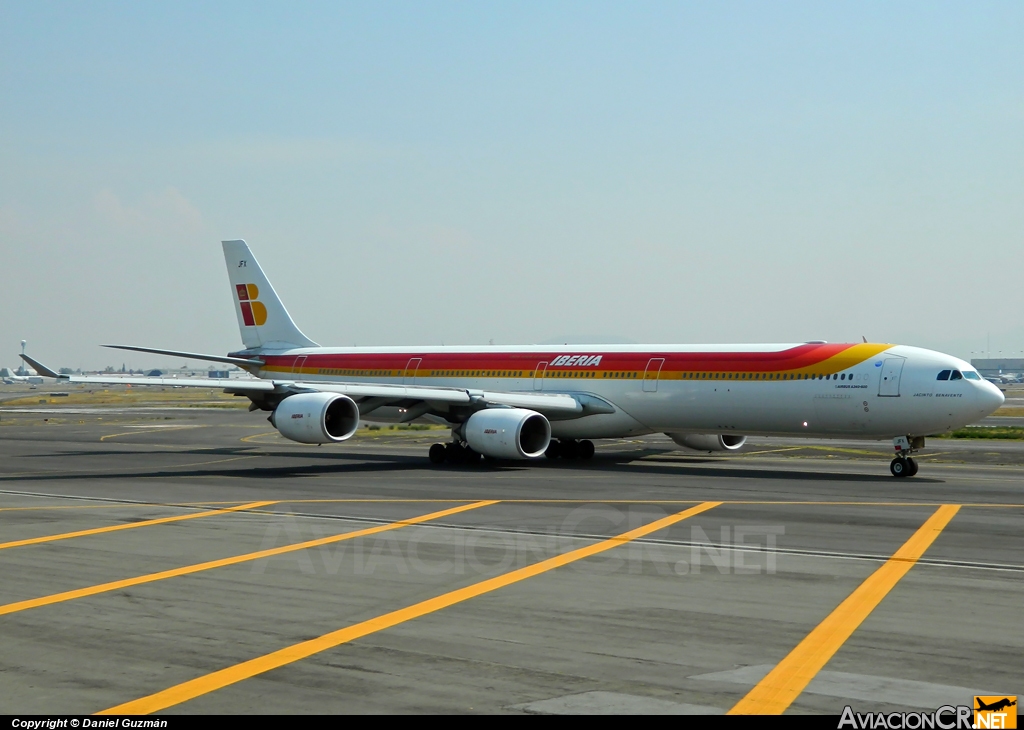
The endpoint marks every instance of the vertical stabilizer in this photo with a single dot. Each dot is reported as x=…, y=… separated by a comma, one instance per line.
x=262, y=318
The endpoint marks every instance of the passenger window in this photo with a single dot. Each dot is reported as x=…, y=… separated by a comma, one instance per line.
x=944, y=375
x=956, y=375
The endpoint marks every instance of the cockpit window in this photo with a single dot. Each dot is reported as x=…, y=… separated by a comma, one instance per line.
x=944, y=375
x=956, y=375
x=971, y=375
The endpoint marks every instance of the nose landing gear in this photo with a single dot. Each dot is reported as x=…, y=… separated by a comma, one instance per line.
x=904, y=464
x=903, y=467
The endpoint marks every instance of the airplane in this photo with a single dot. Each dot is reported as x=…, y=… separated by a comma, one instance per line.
x=995, y=706
x=21, y=375
x=526, y=402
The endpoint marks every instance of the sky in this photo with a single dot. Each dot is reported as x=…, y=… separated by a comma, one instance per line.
x=424, y=173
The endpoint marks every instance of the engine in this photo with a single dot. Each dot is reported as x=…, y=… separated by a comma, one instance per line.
x=316, y=418
x=508, y=433
x=709, y=441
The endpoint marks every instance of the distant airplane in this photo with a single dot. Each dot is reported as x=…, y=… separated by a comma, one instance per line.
x=11, y=377
x=511, y=402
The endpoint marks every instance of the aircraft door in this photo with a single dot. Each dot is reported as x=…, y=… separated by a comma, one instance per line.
x=538, y=376
x=652, y=373
x=411, y=367
x=889, y=384
x=300, y=361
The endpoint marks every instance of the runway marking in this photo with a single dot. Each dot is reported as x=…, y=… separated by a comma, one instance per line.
x=777, y=691
x=131, y=525
x=211, y=564
x=403, y=500
x=77, y=507
x=723, y=502
x=231, y=675
x=151, y=430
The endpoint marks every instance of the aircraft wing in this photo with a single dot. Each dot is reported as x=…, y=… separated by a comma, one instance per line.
x=39, y=367
x=562, y=404
x=537, y=401
x=231, y=385
x=192, y=355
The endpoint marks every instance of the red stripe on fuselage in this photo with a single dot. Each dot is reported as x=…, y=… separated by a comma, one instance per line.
x=801, y=356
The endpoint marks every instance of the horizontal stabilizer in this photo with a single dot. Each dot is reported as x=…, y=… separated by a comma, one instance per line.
x=193, y=355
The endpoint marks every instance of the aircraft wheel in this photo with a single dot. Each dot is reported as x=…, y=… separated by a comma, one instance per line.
x=454, y=453
x=553, y=450
x=899, y=467
x=570, y=449
x=437, y=454
x=586, y=449
x=911, y=467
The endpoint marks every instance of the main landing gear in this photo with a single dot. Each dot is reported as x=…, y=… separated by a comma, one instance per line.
x=904, y=464
x=459, y=452
x=454, y=452
x=570, y=449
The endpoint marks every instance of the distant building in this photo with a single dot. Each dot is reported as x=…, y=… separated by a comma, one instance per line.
x=999, y=365
x=218, y=374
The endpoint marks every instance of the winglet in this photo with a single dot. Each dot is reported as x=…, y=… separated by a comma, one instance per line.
x=242, y=361
x=40, y=368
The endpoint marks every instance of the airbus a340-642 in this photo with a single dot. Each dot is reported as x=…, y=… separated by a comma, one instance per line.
x=528, y=402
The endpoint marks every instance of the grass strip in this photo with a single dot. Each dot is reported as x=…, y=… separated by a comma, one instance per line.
x=1011, y=433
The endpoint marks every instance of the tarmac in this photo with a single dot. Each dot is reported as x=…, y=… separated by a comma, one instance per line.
x=156, y=560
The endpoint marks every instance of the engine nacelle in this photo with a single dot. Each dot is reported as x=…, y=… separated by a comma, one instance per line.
x=316, y=418
x=709, y=441
x=508, y=433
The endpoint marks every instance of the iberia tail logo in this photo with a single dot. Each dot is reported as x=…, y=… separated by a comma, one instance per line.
x=253, y=311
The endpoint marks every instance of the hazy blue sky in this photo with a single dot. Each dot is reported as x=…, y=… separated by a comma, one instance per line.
x=424, y=173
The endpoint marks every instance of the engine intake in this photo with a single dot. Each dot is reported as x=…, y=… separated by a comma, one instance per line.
x=508, y=433
x=709, y=441
x=316, y=418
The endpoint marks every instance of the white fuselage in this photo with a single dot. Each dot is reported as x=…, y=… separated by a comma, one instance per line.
x=859, y=391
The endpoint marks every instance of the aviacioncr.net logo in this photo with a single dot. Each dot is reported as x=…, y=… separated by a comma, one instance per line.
x=946, y=717
x=253, y=311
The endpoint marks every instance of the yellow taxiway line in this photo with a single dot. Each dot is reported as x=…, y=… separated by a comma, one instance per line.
x=234, y=560
x=777, y=691
x=132, y=525
x=231, y=675
x=150, y=430
x=250, y=439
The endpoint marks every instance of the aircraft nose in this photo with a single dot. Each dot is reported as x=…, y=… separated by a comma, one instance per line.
x=990, y=397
